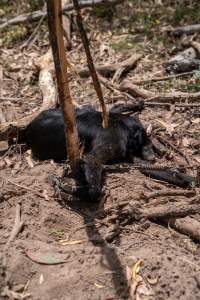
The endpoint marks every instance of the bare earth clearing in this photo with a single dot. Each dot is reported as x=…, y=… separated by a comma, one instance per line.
x=98, y=246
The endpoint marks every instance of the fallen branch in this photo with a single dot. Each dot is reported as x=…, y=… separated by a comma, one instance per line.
x=186, y=61
x=41, y=195
x=135, y=90
x=110, y=69
x=183, y=105
x=14, y=99
x=37, y=15
x=171, y=210
x=47, y=87
x=182, y=66
x=149, y=96
x=10, y=294
x=188, y=29
x=169, y=193
x=164, y=78
x=160, y=212
x=174, y=147
x=175, y=96
x=29, y=43
x=189, y=53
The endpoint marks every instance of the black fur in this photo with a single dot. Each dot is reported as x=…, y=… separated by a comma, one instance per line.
x=124, y=138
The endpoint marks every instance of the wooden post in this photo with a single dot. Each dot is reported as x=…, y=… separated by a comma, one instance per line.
x=91, y=67
x=54, y=12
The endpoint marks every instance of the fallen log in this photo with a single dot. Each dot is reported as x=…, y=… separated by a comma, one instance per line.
x=162, y=211
x=189, y=53
x=182, y=66
x=37, y=15
x=186, y=61
x=188, y=29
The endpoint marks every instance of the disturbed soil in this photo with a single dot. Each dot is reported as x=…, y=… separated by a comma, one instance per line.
x=79, y=250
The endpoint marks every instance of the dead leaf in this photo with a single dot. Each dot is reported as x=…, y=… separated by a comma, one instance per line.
x=139, y=288
x=41, y=279
x=185, y=142
x=50, y=258
x=197, y=158
x=99, y=286
x=29, y=162
x=149, y=129
x=169, y=127
x=14, y=295
x=196, y=121
x=29, y=152
x=45, y=195
x=8, y=162
x=16, y=167
x=152, y=281
x=2, y=164
x=136, y=269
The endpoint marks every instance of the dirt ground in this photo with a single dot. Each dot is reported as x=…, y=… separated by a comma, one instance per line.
x=72, y=250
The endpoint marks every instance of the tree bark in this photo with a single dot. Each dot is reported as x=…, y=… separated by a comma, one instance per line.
x=54, y=11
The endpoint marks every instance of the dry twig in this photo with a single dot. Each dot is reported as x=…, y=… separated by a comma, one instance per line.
x=164, y=78
x=27, y=188
x=137, y=91
x=37, y=15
